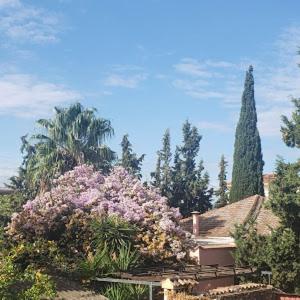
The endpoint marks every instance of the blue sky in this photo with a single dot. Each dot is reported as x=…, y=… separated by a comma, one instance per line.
x=148, y=66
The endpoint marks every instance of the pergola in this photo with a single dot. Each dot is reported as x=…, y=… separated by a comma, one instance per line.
x=174, y=277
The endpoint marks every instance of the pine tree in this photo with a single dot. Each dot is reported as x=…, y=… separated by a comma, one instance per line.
x=199, y=192
x=156, y=175
x=162, y=175
x=291, y=129
x=177, y=185
x=248, y=163
x=129, y=160
x=190, y=186
x=221, y=193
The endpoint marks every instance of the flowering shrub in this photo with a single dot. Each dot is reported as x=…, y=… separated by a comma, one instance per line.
x=82, y=194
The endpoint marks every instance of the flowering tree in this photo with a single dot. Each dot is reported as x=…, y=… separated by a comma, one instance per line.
x=83, y=194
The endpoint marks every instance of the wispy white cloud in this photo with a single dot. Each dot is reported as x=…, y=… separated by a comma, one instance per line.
x=26, y=96
x=269, y=119
x=21, y=22
x=275, y=83
x=215, y=126
x=131, y=82
x=193, y=67
x=125, y=76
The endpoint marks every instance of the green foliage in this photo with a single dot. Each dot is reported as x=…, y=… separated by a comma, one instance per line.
x=22, y=284
x=250, y=247
x=283, y=258
x=74, y=136
x=120, y=291
x=113, y=243
x=190, y=189
x=285, y=195
x=185, y=185
x=278, y=253
x=221, y=193
x=291, y=128
x=163, y=173
x=113, y=233
x=8, y=205
x=105, y=263
x=129, y=160
x=247, y=160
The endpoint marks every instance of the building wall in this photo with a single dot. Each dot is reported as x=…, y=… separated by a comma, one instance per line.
x=212, y=283
x=215, y=256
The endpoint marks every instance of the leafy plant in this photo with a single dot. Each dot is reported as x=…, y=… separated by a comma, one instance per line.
x=118, y=291
x=112, y=232
x=19, y=284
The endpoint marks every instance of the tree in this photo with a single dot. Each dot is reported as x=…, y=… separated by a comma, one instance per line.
x=221, y=193
x=156, y=175
x=279, y=252
x=177, y=185
x=190, y=187
x=285, y=195
x=200, y=193
x=248, y=163
x=74, y=136
x=291, y=129
x=162, y=175
x=129, y=160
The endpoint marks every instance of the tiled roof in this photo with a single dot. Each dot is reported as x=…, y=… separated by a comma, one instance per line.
x=236, y=289
x=220, y=222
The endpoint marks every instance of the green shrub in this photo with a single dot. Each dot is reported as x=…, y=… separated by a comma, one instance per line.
x=23, y=284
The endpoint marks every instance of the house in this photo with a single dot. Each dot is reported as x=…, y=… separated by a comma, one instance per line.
x=212, y=232
x=267, y=179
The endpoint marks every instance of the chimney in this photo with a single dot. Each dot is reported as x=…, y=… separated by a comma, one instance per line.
x=196, y=223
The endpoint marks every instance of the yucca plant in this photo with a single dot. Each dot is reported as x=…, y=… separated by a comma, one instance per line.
x=112, y=232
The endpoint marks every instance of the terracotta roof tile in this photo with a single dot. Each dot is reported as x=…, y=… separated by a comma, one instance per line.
x=220, y=222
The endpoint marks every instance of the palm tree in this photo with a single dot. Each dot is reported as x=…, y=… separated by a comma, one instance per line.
x=74, y=136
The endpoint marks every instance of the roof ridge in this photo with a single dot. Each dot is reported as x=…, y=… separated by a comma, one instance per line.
x=255, y=209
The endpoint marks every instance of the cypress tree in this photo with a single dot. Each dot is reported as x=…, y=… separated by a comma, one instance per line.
x=177, y=187
x=166, y=157
x=162, y=174
x=129, y=160
x=221, y=193
x=248, y=163
x=156, y=175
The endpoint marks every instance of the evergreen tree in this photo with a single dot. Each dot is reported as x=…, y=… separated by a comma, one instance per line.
x=166, y=157
x=177, y=186
x=221, y=193
x=291, y=129
x=199, y=194
x=162, y=177
x=279, y=252
x=190, y=186
x=156, y=175
x=248, y=163
x=129, y=160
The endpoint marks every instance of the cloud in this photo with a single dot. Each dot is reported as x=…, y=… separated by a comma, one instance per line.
x=125, y=76
x=193, y=67
x=269, y=120
x=215, y=126
x=9, y=3
x=24, y=95
x=277, y=80
x=25, y=23
x=130, y=82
